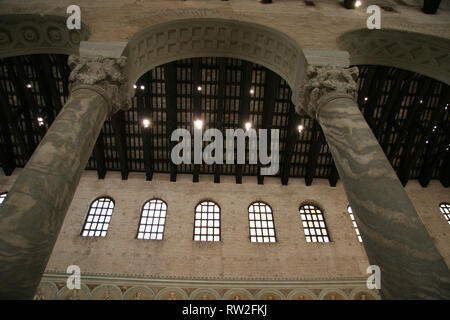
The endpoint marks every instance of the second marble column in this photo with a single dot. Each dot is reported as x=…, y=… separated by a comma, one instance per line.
x=393, y=234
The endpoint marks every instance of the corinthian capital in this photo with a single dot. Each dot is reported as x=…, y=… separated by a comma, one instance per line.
x=322, y=83
x=105, y=75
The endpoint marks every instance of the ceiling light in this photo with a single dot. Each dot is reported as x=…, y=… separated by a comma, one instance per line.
x=29, y=85
x=352, y=4
x=252, y=91
x=300, y=128
x=142, y=87
x=199, y=88
x=426, y=141
x=248, y=126
x=365, y=99
x=134, y=86
x=146, y=123
x=198, y=124
x=40, y=121
x=421, y=101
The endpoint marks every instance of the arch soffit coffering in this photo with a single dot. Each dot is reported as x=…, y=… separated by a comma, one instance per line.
x=215, y=37
x=420, y=53
x=23, y=34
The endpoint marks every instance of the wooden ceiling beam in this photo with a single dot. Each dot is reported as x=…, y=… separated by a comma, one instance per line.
x=170, y=76
x=220, y=107
x=271, y=91
x=244, y=105
x=118, y=123
x=144, y=109
x=317, y=140
x=197, y=104
x=99, y=156
x=334, y=175
x=291, y=141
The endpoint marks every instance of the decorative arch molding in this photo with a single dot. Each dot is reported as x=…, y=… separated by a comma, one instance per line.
x=424, y=54
x=199, y=294
x=22, y=34
x=358, y=291
x=335, y=291
x=215, y=37
x=270, y=292
x=242, y=294
x=139, y=293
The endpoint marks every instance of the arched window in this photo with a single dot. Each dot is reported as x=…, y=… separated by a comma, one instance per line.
x=153, y=219
x=207, y=222
x=314, y=224
x=355, y=226
x=98, y=218
x=445, y=209
x=2, y=197
x=262, y=227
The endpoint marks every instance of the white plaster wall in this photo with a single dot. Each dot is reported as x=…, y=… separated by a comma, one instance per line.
x=235, y=256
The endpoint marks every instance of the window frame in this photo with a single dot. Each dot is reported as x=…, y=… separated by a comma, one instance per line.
x=446, y=215
x=354, y=223
x=322, y=212
x=261, y=228
x=5, y=194
x=87, y=216
x=140, y=219
x=201, y=219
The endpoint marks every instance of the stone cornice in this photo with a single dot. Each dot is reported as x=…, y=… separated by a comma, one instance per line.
x=323, y=84
x=22, y=34
x=106, y=76
x=209, y=282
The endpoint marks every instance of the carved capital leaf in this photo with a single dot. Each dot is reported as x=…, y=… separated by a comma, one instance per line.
x=106, y=74
x=325, y=81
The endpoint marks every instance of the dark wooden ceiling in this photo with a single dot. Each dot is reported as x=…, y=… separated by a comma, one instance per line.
x=407, y=112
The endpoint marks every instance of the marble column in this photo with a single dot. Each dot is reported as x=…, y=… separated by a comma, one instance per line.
x=393, y=234
x=32, y=214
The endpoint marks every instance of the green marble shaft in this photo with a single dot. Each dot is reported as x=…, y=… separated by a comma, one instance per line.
x=32, y=214
x=393, y=234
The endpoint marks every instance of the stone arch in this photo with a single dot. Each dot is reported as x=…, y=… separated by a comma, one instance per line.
x=424, y=54
x=215, y=37
x=23, y=34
